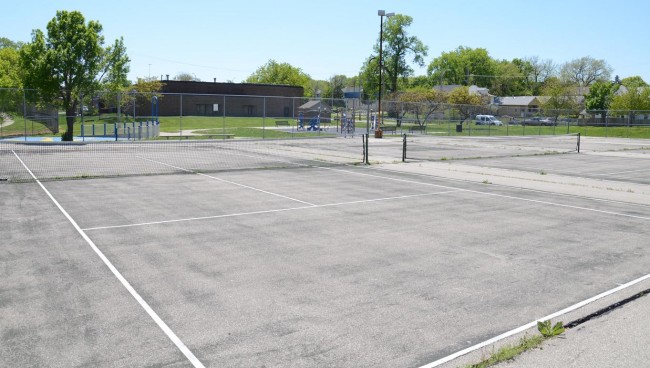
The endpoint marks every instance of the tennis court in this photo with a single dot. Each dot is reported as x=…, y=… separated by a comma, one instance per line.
x=294, y=254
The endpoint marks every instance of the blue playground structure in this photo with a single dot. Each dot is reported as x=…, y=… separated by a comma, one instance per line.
x=314, y=123
x=129, y=131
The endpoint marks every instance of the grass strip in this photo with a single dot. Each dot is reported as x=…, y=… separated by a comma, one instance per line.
x=509, y=352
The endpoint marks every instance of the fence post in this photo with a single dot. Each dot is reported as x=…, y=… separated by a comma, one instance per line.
x=25, y=114
x=119, y=107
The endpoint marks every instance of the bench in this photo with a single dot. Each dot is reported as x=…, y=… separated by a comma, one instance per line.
x=418, y=128
x=389, y=128
x=281, y=123
x=221, y=136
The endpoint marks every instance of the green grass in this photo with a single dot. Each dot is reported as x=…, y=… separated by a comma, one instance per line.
x=449, y=128
x=22, y=126
x=509, y=352
x=251, y=127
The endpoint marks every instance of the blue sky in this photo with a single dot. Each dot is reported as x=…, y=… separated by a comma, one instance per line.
x=229, y=40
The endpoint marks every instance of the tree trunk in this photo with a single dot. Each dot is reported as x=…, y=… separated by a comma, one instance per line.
x=69, y=119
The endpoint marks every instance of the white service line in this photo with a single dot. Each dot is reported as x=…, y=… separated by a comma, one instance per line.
x=163, y=326
x=228, y=181
x=263, y=212
x=534, y=323
x=450, y=188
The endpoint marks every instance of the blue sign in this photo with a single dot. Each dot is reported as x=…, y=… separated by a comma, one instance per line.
x=352, y=94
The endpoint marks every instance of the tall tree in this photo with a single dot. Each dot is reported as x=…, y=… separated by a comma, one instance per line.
x=634, y=81
x=420, y=102
x=370, y=78
x=7, y=43
x=114, y=67
x=535, y=72
x=398, y=46
x=540, y=70
x=599, y=98
x=585, y=71
x=633, y=98
x=561, y=99
x=281, y=73
x=334, y=88
x=70, y=61
x=184, y=76
x=138, y=95
x=509, y=80
x=9, y=68
x=464, y=66
x=464, y=102
x=420, y=81
x=10, y=76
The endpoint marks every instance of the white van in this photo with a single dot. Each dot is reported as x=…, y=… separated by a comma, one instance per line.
x=487, y=120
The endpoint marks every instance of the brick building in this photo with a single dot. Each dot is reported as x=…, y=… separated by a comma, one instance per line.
x=229, y=99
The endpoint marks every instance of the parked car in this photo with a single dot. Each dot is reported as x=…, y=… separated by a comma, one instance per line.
x=487, y=120
x=538, y=121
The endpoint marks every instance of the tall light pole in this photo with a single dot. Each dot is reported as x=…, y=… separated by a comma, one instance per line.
x=381, y=14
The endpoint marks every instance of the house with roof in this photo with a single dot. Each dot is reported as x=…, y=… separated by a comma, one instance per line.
x=518, y=106
x=314, y=108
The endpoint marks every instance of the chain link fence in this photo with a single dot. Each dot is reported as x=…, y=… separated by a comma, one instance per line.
x=139, y=116
x=19, y=117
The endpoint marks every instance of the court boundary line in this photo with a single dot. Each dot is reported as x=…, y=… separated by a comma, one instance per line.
x=264, y=211
x=451, y=189
x=532, y=324
x=161, y=324
x=226, y=181
x=621, y=172
x=595, y=199
x=500, y=195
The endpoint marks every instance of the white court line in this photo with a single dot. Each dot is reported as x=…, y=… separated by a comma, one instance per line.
x=163, y=326
x=524, y=189
x=534, y=323
x=263, y=212
x=498, y=195
x=455, y=189
x=228, y=181
x=621, y=172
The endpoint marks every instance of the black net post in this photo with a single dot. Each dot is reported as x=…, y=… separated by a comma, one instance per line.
x=365, y=148
x=578, y=145
x=403, y=147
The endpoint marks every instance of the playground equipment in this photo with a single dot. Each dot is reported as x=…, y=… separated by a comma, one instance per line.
x=136, y=130
x=314, y=123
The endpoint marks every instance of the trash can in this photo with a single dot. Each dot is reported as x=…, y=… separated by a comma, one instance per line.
x=459, y=128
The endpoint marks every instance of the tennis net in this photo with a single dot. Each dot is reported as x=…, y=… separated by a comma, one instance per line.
x=61, y=161
x=450, y=148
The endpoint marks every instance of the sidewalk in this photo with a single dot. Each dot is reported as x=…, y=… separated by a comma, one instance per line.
x=5, y=120
x=617, y=338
